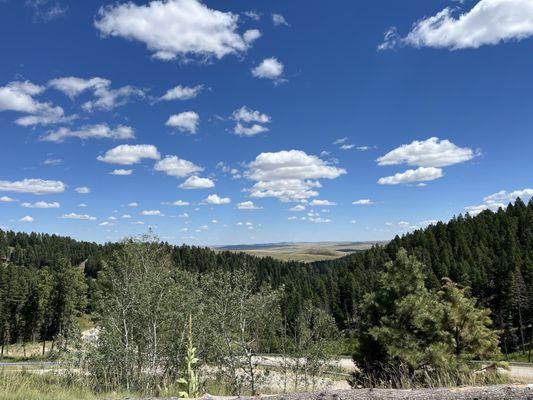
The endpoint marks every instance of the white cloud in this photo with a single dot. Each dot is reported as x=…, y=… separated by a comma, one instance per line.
x=363, y=202
x=347, y=146
x=285, y=190
x=488, y=22
x=108, y=99
x=251, y=130
x=177, y=203
x=126, y=216
x=41, y=204
x=292, y=164
x=245, y=114
x=27, y=218
x=504, y=196
x=18, y=96
x=33, y=186
x=248, y=205
x=175, y=166
x=353, y=221
x=52, y=161
x=292, y=218
x=500, y=200
x=106, y=223
x=319, y=220
x=186, y=121
x=78, y=216
x=126, y=154
x=175, y=28
x=253, y=120
x=133, y=204
x=287, y=175
x=100, y=131
x=105, y=99
x=83, y=190
x=7, y=199
x=269, y=68
x=421, y=174
x=298, y=208
x=121, y=172
x=322, y=203
x=215, y=199
x=278, y=19
x=182, y=93
x=427, y=153
x=251, y=35
x=82, y=205
x=195, y=182
x=254, y=15
x=73, y=86
x=156, y=213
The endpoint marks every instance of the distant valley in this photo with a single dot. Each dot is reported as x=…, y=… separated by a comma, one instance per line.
x=301, y=251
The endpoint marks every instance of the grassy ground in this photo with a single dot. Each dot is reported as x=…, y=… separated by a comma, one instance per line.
x=518, y=357
x=304, y=252
x=45, y=386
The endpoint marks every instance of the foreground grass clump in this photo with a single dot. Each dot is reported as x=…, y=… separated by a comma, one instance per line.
x=44, y=386
x=402, y=378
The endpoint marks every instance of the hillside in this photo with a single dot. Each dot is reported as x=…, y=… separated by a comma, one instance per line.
x=492, y=253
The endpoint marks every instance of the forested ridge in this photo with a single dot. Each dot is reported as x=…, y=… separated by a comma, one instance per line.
x=491, y=252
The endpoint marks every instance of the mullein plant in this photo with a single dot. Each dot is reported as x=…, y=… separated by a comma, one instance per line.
x=191, y=383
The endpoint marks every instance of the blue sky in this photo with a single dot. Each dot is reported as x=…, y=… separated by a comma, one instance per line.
x=250, y=121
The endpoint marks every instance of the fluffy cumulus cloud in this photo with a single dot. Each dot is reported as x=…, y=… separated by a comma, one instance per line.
x=186, y=121
x=100, y=131
x=289, y=175
x=322, y=203
x=363, y=202
x=500, y=200
x=33, y=186
x=19, y=97
x=27, y=218
x=121, y=172
x=488, y=22
x=182, y=93
x=105, y=97
x=247, y=205
x=175, y=166
x=7, y=199
x=176, y=28
x=421, y=174
x=83, y=217
x=215, y=199
x=177, y=203
x=249, y=122
x=130, y=154
x=432, y=152
x=196, y=182
x=278, y=20
x=429, y=155
x=73, y=86
x=41, y=204
x=269, y=68
x=83, y=190
x=152, y=213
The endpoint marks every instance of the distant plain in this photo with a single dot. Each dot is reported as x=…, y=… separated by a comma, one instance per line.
x=301, y=251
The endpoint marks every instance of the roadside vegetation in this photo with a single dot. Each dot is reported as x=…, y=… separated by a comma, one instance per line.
x=153, y=319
